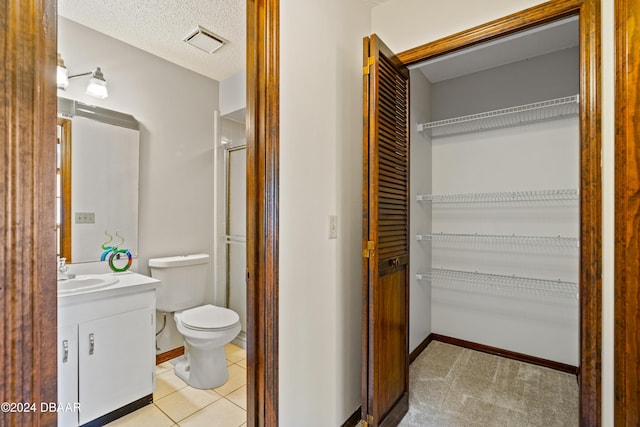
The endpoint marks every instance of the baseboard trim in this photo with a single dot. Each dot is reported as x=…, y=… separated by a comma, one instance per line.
x=354, y=419
x=507, y=353
x=120, y=412
x=168, y=355
x=420, y=348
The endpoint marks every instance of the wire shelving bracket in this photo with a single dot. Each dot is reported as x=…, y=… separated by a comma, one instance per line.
x=505, y=117
x=528, y=284
x=503, y=196
x=552, y=241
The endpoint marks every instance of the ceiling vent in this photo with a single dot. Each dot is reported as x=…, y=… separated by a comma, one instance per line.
x=204, y=40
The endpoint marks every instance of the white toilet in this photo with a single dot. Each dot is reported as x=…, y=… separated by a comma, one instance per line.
x=206, y=329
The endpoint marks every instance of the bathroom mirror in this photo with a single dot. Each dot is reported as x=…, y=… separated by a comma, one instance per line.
x=100, y=203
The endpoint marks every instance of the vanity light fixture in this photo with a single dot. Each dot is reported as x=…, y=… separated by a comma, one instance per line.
x=204, y=40
x=97, y=86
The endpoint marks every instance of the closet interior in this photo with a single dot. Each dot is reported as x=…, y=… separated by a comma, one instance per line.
x=495, y=194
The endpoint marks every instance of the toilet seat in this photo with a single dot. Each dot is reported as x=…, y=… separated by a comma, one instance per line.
x=209, y=318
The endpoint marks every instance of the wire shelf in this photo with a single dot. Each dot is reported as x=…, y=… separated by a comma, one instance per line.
x=527, y=284
x=505, y=117
x=552, y=241
x=503, y=196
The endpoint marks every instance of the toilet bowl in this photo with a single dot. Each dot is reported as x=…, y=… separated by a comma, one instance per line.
x=206, y=330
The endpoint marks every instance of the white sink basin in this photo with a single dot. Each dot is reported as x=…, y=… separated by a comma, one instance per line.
x=85, y=283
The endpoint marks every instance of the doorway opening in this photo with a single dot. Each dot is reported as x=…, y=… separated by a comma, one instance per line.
x=586, y=272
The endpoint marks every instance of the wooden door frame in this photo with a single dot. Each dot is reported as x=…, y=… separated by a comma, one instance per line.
x=65, y=143
x=590, y=169
x=263, y=69
x=28, y=294
x=627, y=210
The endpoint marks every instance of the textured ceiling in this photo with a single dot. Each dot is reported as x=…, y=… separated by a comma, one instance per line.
x=158, y=27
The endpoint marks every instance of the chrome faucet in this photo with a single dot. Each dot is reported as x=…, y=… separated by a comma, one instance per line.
x=63, y=270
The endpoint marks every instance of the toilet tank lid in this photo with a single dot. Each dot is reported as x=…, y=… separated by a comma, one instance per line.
x=179, y=261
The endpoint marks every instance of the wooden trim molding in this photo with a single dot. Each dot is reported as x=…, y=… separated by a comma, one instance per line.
x=590, y=171
x=65, y=181
x=420, y=348
x=520, y=357
x=627, y=215
x=519, y=21
x=590, y=216
x=353, y=420
x=262, y=211
x=168, y=355
x=28, y=295
x=492, y=350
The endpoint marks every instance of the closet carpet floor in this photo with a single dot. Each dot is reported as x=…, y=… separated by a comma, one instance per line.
x=453, y=386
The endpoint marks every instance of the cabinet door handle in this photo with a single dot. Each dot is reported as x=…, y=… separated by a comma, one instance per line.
x=65, y=351
x=92, y=343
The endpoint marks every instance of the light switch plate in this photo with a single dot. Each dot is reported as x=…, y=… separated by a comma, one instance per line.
x=333, y=227
x=85, y=218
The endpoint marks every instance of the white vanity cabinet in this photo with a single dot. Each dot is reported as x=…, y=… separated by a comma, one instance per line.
x=106, y=353
x=68, y=373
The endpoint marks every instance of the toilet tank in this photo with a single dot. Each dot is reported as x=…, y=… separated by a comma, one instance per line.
x=183, y=281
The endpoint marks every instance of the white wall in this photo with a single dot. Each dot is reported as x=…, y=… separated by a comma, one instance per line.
x=233, y=96
x=541, y=78
x=404, y=24
x=175, y=108
x=320, y=175
x=397, y=23
x=536, y=156
x=533, y=157
x=350, y=26
x=420, y=213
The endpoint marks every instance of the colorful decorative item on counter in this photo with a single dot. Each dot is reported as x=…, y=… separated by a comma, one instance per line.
x=114, y=253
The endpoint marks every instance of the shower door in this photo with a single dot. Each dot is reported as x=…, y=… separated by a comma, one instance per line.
x=235, y=240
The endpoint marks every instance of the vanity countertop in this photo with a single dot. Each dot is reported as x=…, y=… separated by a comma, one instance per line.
x=128, y=282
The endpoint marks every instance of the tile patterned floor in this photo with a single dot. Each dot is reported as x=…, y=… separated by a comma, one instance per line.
x=450, y=386
x=177, y=404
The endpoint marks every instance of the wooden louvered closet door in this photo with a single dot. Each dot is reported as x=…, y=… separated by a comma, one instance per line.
x=385, y=310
